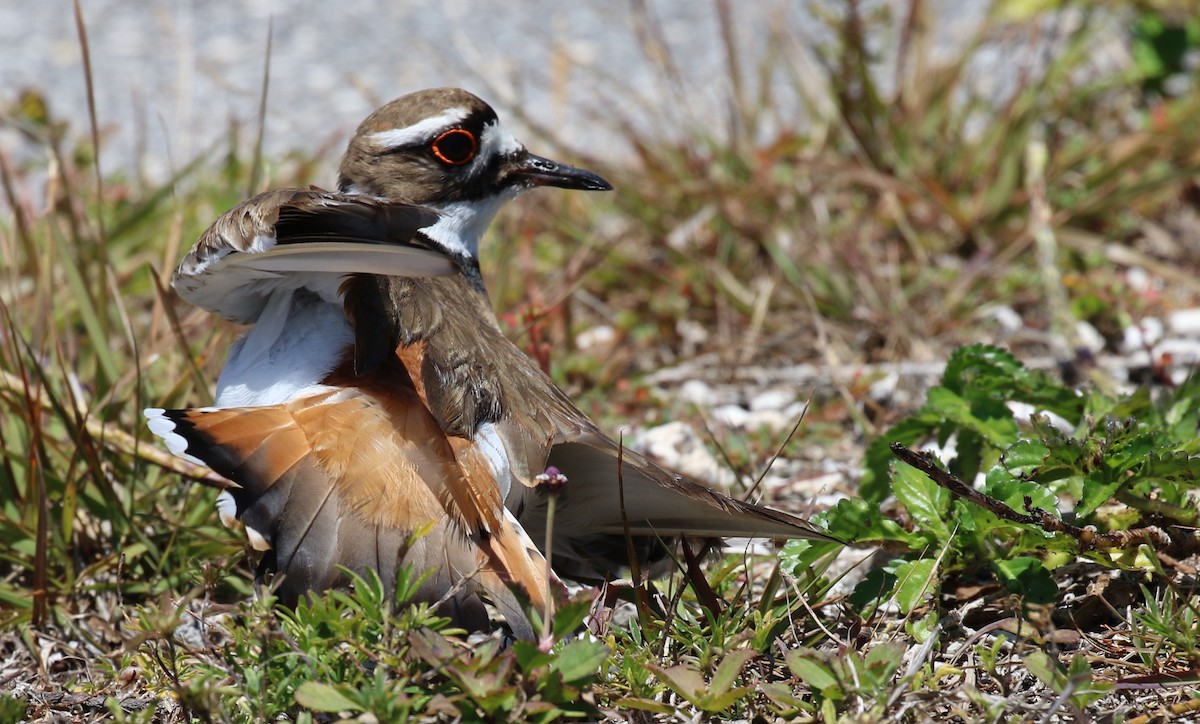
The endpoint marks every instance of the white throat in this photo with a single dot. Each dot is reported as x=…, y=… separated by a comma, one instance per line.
x=462, y=223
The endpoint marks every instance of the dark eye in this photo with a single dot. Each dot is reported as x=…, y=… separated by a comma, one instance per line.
x=455, y=147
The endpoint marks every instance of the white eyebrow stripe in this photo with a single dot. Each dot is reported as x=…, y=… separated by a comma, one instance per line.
x=418, y=132
x=497, y=142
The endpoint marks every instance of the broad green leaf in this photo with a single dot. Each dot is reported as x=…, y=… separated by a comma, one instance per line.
x=569, y=616
x=875, y=588
x=323, y=697
x=883, y=661
x=1098, y=488
x=1027, y=577
x=856, y=520
x=782, y=695
x=914, y=582
x=1001, y=485
x=1047, y=670
x=714, y=703
x=530, y=656
x=683, y=680
x=1025, y=457
x=809, y=667
x=921, y=628
x=799, y=556
x=580, y=659
x=925, y=500
x=728, y=670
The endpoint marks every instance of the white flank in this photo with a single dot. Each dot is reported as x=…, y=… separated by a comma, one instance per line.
x=488, y=440
x=227, y=509
x=164, y=427
x=295, y=344
x=419, y=132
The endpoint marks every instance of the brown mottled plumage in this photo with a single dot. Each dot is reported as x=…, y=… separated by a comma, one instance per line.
x=368, y=405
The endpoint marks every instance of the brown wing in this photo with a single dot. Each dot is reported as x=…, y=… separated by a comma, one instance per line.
x=293, y=238
x=348, y=477
x=470, y=374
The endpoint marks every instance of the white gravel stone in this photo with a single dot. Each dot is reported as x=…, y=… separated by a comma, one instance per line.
x=734, y=416
x=1089, y=337
x=882, y=389
x=596, y=339
x=1023, y=411
x=773, y=399
x=1006, y=317
x=676, y=445
x=796, y=410
x=698, y=393
x=1185, y=322
x=1138, y=279
x=1145, y=333
x=1182, y=351
x=772, y=420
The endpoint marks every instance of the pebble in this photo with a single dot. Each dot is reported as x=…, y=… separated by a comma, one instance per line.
x=882, y=389
x=676, y=446
x=734, y=416
x=596, y=339
x=1006, y=317
x=1146, y=333
x=1185, y=322
x=1089, y=337
x=772, y=399
x=698, y=393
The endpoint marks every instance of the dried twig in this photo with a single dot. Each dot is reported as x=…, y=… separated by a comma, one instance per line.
x=1089, y=538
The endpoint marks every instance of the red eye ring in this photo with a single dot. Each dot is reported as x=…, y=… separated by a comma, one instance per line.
x=455, y=147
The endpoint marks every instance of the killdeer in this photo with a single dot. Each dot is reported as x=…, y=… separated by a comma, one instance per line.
x=375, y=415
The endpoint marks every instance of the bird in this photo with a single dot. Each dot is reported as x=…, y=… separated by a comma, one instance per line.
x=374, y=414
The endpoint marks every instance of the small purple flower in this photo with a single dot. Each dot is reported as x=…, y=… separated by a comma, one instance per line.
x=553, y=479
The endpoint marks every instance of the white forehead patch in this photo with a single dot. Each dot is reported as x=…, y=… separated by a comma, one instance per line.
x=497, y=142
x=419, y=132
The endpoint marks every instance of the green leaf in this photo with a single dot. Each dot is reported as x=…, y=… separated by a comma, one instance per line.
x=12, y=709
x=799, y=556
x=782, y=695
x=857, y=520
x=1027, y=577
x=877, y=466
x=323, y=697
x=714, y=703
x=580, y=659
x=683, y=679
x=1047, y=670
x=1098, y=488
x=569, y=616
x=915, y=580
x=1001, y=485
x=925, y=500
x=728, y=670
x=881, y=662
x=530, y=657
x=1025, y=457
x=809, y=667
x=875, y=588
